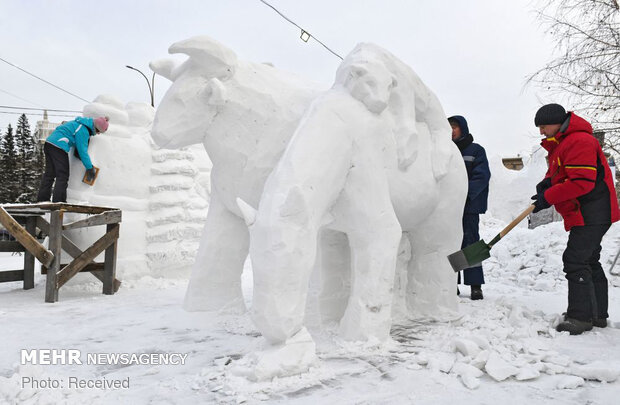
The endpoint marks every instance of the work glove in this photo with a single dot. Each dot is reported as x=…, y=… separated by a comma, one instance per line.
x=90, y=174
x=543, y=185
x=540, y=203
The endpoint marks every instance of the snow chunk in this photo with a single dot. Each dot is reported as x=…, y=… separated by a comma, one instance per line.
x=498, y=368
x=528, y=373
x=466, y=347
x=597, y=370
x=442, y=361
x=569, y=382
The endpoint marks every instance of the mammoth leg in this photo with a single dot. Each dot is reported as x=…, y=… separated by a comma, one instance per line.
x=374, y=236
x=215, y=283
x=431, y=287
x=335, y=274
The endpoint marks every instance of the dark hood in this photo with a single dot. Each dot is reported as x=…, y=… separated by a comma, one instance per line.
x=462, y=123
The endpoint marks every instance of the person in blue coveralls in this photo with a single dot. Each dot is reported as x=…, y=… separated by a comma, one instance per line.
x=57, y=146
x=478, y=175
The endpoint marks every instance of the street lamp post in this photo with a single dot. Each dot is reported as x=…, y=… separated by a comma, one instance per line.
x=151, y=84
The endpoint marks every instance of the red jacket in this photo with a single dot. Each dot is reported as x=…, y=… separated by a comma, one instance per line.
x=582, y=188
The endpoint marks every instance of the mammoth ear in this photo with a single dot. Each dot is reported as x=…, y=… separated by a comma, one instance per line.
x=218, y=60
x=248, y=212
x=216, y=92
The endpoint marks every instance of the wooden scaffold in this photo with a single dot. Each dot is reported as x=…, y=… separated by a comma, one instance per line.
x=23, y=221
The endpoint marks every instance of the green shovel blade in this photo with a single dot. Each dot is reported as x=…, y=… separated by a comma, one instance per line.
x=470, y=256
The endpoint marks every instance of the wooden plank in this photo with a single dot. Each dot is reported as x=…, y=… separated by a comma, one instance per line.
x=11, y=246
x=83, y=209
x=92, y=266
x=31, y=228
x=109, y=217
x=55, y=241
x=87, y=256
x=28, y=241
x=48, y=206
x=74, y=251
x=109, y=274
x=11, y=275
x=26, y=212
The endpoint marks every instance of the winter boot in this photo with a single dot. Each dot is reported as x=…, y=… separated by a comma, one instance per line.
x=600, y=322
x=476, y=292
x=573, y=326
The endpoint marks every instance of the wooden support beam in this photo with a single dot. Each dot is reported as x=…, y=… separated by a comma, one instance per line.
x=109, y=274
x=93, y=266
x=45, y=256
x=55, y=241
x=83, y=209
x=49, y=206
x=11, y=246
x=11, y=275
x=109, y=217
x=73, y=251
x=31, y=228
x=87, y=256
x=100, y=276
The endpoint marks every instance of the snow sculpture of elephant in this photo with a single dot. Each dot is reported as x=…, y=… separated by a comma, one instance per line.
x=371, y=160
x=244, y=114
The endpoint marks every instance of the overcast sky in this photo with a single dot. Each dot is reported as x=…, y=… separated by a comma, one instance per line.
x=475, y=55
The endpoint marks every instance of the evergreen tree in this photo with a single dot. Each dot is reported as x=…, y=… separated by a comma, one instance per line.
x=9, y=183
x=30, y=170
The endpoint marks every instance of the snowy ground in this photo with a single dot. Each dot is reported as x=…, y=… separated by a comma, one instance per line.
x=503, y=350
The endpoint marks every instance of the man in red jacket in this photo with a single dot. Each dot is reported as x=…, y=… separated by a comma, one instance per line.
x=579, y=185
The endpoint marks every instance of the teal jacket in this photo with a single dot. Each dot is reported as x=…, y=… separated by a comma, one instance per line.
x=74, y=133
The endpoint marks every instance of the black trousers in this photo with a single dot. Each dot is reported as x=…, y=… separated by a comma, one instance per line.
x=587, y=284
x=472, y=275
x=56, y=168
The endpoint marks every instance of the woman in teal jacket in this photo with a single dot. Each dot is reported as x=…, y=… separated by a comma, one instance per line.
x=57, y=147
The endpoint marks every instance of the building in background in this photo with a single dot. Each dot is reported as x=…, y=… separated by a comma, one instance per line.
x=43, y=129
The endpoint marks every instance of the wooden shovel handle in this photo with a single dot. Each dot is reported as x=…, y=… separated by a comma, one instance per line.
x=518, y=219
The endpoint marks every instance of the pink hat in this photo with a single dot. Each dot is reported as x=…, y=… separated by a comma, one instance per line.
x=101, y=124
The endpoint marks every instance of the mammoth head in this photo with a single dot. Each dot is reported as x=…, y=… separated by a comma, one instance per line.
x=197, y=91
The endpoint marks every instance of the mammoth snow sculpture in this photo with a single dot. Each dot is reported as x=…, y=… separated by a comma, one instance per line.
x=244, y=113
x=372, y=160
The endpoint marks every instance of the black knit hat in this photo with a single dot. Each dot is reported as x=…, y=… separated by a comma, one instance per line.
x=550, y=114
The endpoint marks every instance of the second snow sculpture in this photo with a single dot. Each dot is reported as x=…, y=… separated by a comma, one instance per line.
x=372, y=159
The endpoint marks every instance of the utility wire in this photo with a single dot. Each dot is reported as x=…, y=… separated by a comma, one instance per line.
x=23, y=99
x=37, y=109
x=303, y=30
x=43, y=80
x=49, y=115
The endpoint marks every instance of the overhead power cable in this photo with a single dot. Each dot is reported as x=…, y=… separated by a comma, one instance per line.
x=43, y=80
x=305, y=35
x=21, y=98
x=29, y=113
x=37, y=109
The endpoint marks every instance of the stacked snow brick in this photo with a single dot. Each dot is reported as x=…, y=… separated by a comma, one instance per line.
x=177, y=210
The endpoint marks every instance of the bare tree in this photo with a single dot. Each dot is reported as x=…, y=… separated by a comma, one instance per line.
x=588, y=66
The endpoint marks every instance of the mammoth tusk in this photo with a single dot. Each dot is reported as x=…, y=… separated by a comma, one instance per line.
x=248, y=212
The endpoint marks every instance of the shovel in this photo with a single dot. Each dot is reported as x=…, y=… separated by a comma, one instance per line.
x=476, y=253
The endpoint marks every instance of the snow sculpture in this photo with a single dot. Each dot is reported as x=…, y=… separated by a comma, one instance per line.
x=157, y=190
x=244, y=114
x=371, y=159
